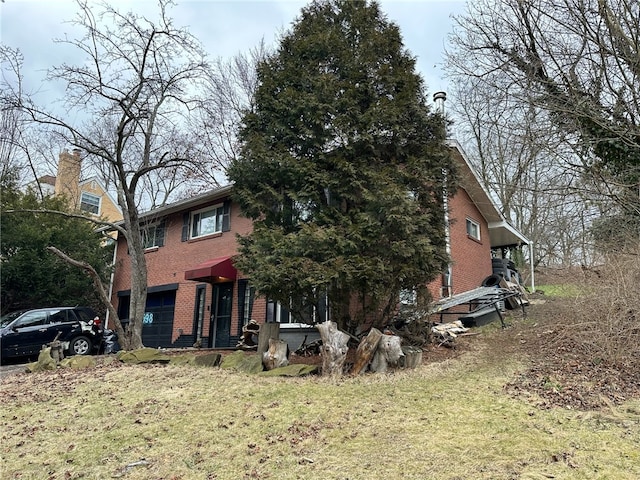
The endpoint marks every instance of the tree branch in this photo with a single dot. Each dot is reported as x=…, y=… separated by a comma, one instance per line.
x=112, y=225
x=97, y=282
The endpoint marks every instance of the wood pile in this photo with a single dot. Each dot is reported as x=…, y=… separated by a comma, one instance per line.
x=377, y=352
x=446, y=333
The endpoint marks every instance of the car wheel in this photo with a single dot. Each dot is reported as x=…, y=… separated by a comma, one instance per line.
x=80, y=346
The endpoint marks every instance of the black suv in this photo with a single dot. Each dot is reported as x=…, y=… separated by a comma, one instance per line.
x=23, y=333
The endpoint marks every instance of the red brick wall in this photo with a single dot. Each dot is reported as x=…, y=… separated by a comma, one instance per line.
x=167, y=265
x=471, y=258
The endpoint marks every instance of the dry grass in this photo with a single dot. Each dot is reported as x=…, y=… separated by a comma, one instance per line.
x=602, y=314
x=451, y=420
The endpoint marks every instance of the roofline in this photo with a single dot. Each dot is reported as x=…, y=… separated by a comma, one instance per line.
x=507, y=226
x=188, y=202
x=482, y=198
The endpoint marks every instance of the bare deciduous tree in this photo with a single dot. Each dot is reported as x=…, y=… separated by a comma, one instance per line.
x=522, y=160
x=232, y=84
x=133, y=101
x=574, y=64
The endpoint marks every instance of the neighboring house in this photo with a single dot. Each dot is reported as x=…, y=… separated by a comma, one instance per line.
x=89, y=195
x=197, y=296
x=47, y=185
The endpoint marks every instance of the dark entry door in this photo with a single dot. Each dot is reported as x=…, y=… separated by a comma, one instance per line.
x=221, y=315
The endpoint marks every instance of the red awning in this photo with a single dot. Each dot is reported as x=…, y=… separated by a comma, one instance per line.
x=214, y=270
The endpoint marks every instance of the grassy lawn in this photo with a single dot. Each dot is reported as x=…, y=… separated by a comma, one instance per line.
x=565, y=290
x=449, y=420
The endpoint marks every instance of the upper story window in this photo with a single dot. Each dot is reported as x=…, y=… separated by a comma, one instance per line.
x=473, y=229
x=153, y=235
x=90, y=203
x=206, y=221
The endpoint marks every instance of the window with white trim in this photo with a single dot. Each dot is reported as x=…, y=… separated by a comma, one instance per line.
x=90, y=203
x=473, y=229
x=276, y=312
x=206, y=221
x=301, y=311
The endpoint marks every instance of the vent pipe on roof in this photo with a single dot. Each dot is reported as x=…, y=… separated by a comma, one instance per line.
x=439, y=98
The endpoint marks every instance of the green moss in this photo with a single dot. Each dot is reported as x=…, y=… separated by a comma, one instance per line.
x=243, y=362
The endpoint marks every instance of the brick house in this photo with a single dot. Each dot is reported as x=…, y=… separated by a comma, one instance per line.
x=196, y=296
x=477, y=232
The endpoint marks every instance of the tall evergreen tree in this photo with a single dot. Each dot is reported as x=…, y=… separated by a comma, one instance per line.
x=342, y=168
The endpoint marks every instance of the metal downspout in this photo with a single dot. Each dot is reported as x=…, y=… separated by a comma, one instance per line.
x=111, y=277
x=439, y=98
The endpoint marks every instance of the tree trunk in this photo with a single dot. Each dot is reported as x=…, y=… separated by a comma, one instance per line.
x=334, y=348
x=277, y=355
x=268, y=331
x=366, y=349
x=138, y=297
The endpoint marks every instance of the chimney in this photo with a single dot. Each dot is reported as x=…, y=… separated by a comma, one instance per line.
x=439, y=99
x=68, y=177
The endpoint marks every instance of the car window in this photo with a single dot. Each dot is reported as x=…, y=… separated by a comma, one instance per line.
x=10, y=317
x=30, y=319
x=58, y=316
x=84, y=315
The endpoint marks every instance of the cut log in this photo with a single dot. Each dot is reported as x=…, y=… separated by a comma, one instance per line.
x=366, y=350
x=57, y=349
x=511, y=303
x=277, y=355
x=389, y=352
x=412, y=357
x=267, y=331
x=334, y=348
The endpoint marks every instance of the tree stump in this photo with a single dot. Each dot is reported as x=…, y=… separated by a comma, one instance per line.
x=388, y=353
x=366, y=350
x=334, y=348
x=57, y=349
x=412, y=357
x=267, y=331
x=277, y=355
x=249, y=338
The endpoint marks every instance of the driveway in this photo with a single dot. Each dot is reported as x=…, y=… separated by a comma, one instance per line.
x=11, y=369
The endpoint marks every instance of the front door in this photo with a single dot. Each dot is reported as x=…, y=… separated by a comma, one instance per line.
x=220, y=329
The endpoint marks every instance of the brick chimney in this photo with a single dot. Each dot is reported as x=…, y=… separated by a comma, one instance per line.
x=68, y=178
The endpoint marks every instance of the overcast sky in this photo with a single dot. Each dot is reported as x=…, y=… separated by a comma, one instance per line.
x=225, y=27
